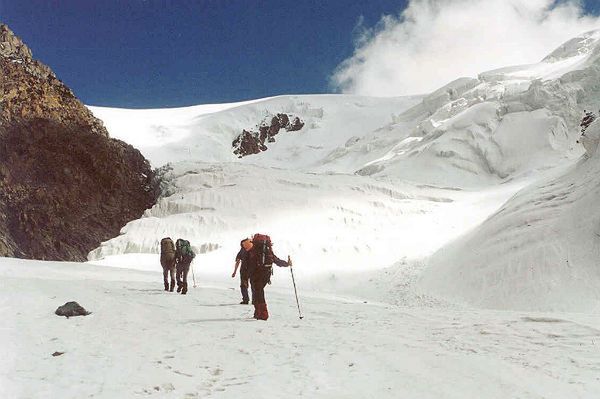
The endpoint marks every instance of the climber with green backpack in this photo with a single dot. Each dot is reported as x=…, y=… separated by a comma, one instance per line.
x=183, y=258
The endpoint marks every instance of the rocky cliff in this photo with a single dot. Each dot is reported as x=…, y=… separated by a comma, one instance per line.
x=65, y=185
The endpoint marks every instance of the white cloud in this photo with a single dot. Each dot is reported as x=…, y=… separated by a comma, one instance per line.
x=436, y=41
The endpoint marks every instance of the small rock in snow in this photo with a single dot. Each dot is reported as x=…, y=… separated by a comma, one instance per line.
x=70, y=309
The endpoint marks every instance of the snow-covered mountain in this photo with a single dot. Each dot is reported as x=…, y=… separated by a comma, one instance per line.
x=367, y=182
x=505, y=124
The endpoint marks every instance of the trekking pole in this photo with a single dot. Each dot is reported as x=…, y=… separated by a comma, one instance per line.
x=193, y=276
x=295, y=291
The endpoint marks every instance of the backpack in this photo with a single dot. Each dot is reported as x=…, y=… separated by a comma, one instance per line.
x=185, y=250
x=167, y=246
x=263, y=246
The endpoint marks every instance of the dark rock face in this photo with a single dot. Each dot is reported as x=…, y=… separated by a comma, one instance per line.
x=65, y=186
x=296, y=125
x=250, y=142
x=71, y=309
x=31, y=90
x=587, y=120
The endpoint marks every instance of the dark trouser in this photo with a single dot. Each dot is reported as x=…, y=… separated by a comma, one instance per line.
x=167, y=261
x=244, y=287
x=166, y=272
x=259, y=282
x=182, y=272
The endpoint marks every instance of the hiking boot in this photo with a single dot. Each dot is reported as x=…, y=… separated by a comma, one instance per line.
x=179, y=288
x=244, y=303
x=263, y=313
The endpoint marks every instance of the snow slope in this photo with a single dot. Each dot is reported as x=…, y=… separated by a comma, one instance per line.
x=204, y=133
x=540, y=250
x=143, y=342
x=328, y=223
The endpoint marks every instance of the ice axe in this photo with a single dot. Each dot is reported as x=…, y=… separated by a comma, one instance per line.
x=295, y=291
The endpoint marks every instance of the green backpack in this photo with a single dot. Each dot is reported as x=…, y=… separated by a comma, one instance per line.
x=185, y=249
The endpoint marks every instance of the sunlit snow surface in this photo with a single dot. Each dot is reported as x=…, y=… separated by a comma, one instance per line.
x=142, y=342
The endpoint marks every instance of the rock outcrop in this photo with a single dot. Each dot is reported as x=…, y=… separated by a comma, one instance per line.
x=251, y=142
x=65, y=186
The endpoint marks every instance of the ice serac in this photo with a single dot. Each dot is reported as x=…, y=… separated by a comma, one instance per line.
x=540, y=250
x=65, y=186
x=505, y=124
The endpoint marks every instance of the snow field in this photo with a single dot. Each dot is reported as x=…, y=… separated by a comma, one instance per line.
x=143, y=342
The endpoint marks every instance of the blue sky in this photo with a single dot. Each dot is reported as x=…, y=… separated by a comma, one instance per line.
x=143, y=54
x=172, y=53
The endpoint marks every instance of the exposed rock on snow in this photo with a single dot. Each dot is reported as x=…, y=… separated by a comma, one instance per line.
x=250, y=142
x=71, y=309
x=64, y=185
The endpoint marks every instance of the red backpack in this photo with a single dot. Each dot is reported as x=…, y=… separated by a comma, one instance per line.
x=262, y=244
